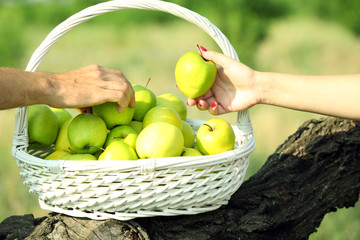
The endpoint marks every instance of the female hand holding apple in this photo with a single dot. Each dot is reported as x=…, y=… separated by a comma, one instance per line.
x=233, y=89
x=238, y=87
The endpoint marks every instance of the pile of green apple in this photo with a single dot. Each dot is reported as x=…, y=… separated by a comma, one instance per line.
x=155, y=128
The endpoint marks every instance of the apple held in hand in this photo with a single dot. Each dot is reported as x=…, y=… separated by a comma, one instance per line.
x=122, y=133
x=194, y=75
x=118, y=150
x=172, y=101
x=109, y=113
x=145, y=99
x=215, y=136
x=86, y=133
x=162, y=114
x=43, y=126
x=159, y=140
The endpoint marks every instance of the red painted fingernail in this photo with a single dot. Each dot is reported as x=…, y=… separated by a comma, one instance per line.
x=187, y=103
x=199, y=104
x=213, y=104
x=203, y=49
x=177, y=86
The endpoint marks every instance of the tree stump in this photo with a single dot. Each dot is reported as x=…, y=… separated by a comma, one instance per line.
x=315, y=171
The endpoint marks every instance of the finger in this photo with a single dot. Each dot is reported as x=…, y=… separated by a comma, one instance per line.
x=191, y=102
x=131, y=96
x=123, y=104
x=218, y=58
x=127, y=88
x=128, y=97
x=114, y=96
x=216, y=109
x=207, y=95
x=120, y=108
x=202, y=105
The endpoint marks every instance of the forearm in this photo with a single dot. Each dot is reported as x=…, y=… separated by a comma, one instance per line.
x=333, y=95
x=21, y=88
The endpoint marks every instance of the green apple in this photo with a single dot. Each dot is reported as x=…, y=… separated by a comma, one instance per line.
x=109, y=113
x=215, y=136
x=159, y=140
x=162, y=114
x=79, y=157
x=86, y=133
x=43, y=126
x=122, y=133
x=118, y=150
x=194, y=75
x=62, y=114
x=56, y=155
x=62, y=141
x=137, y=125
x=189, y=134
x=145, y=99
x=190, y=152
x=174, y=102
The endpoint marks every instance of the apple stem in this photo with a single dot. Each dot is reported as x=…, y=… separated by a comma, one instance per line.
x=71, y=149
x=211, y=128
x=100, y=148
x=147, y=83
x=117, y=137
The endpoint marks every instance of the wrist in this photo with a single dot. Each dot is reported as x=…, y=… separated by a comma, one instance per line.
x=262, y=87
x=44, y=89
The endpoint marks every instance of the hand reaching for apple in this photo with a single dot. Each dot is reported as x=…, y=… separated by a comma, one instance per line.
x=87, y=86
x=94, y=85
x=79, y=88
x=233, y=89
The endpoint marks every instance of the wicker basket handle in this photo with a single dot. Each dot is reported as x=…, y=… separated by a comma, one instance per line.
x=243, y=120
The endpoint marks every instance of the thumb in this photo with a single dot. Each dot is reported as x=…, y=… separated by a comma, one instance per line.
x=218, y=58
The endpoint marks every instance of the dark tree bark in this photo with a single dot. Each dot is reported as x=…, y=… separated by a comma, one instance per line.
x=315, y=171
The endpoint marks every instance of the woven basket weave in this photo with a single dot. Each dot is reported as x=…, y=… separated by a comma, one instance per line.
x=125, y=190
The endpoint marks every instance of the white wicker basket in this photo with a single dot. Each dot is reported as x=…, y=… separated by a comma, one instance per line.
x=128, y=189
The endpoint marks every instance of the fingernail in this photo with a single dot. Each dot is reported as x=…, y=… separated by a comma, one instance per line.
x=203, y=49
x=213, y=104
x=199, y=104
x=187, y=103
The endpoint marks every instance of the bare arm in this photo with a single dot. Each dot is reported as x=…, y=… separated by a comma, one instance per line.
x=333, y=95
x=83, y=87
x=238, y=87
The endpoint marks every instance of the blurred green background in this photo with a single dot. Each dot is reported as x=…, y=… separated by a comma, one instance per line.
x=303, y=37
